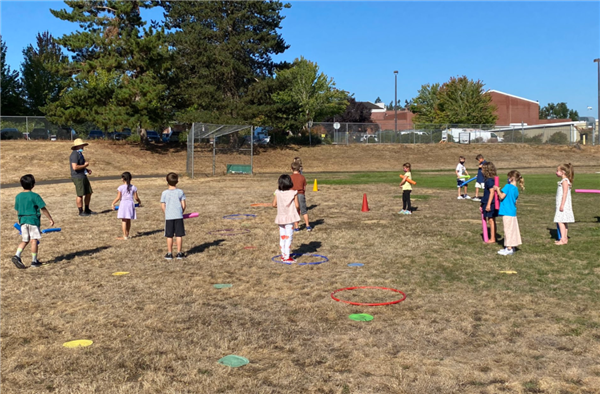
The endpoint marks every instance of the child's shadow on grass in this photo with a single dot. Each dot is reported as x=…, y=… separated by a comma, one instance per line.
x=202, y=247
x=317, y=223
x=597, y=218
x=146, y=233
x=313, y=206
x=311, y=247
x=81, y=253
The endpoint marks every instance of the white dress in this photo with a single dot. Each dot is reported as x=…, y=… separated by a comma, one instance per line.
x=566, y=216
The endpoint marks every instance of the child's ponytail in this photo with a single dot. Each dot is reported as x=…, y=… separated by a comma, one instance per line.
x=126, y=176
x=516, y=175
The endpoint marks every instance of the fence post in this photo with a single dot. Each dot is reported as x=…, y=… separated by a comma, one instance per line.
x=251, y=150
x=347, y=141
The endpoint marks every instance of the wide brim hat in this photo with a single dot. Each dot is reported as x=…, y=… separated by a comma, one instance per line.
x=78, y=142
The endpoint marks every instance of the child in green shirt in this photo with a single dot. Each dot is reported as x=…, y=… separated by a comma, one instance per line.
x=28, y=206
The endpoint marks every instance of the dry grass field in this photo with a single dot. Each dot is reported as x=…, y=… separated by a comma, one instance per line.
x=49, y=159
x=465, y=327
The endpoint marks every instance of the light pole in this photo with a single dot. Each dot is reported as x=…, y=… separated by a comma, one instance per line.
x=395, y=101
x=598, y=119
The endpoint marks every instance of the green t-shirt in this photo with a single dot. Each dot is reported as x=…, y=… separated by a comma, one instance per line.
x=28, y=205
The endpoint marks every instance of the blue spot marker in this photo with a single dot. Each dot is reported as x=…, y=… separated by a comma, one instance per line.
x=355, y=265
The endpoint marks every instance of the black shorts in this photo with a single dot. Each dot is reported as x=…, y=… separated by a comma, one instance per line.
x=174, y=228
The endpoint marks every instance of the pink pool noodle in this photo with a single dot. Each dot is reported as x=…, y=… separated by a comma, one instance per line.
x=587, y=191
x=191, y=215
x=484, y=226
x=496, y=201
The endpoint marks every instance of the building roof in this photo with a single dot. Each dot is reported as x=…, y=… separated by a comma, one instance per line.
x=512, y=95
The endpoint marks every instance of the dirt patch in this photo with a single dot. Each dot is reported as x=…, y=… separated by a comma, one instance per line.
x=49, y=159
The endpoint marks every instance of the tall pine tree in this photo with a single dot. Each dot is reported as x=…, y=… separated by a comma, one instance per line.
x=12, y=102
x=40, y=75
x=221, y=48
x=117, y=74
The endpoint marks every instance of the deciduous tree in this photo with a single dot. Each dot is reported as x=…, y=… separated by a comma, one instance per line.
x=458, y=101
x=558, y=111
x=310, y=91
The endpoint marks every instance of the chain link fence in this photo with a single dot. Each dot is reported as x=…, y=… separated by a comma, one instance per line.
x=220, y=149
x=566, y=133
x=33, y=128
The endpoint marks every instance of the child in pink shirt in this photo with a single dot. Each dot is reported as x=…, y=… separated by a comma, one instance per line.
x=286, y=202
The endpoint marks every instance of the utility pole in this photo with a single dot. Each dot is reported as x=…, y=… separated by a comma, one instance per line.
x=396, y=101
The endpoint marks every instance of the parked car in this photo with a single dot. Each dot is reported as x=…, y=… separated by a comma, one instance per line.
x=96, y=135
x=261, y=136
x=66, y=133
x=10, y=134
x=122, y=135
x=39, y=134
x=152, y=135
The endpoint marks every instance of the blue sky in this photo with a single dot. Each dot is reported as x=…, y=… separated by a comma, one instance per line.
x=538, y=50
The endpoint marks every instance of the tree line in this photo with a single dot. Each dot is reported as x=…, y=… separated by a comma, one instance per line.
x=204, y=62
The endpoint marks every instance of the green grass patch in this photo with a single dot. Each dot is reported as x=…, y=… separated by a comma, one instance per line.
x=535, y=184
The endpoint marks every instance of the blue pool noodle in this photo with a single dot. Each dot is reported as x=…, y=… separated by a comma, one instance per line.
x=465, y=182
x=558, y=232
x=51, y=230
x=18, y=227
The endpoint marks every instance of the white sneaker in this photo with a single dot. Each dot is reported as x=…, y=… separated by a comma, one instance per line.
x=460, y=198
x=503, y=251
x=467, y=197
x=509, y=252
x=476, y=199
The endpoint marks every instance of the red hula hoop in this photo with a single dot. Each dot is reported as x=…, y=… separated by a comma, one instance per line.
x=367, y=303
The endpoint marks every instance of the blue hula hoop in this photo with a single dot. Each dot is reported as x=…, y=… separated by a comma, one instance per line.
x=239, y=216
x=277, y=259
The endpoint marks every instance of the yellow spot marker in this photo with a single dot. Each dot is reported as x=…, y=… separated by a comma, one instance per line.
x=315, y=188
x=507, y=272
x=120, y=273
x=78, y=343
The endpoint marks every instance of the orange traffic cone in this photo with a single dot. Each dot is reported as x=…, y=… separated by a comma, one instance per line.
x=365, y=207
x=315, y=188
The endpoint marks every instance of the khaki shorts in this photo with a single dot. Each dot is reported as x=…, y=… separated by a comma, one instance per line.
x=29, y=232
x=82, y=186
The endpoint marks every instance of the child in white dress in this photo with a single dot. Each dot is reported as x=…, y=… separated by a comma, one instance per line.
x=286, y=202
x=564, y=209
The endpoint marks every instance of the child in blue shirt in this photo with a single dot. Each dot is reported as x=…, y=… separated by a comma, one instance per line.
x=508, y=196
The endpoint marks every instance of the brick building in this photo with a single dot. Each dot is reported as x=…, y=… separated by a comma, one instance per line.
x=514, y=109
x=510, y=109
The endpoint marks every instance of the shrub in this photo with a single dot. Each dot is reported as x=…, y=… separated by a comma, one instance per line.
x=134, y=138
x=558, y=138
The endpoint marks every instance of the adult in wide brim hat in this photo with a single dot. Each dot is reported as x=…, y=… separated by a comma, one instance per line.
x=79, y=172
x=77, y=143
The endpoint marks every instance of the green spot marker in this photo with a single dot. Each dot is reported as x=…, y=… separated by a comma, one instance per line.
x=234, y=361
x=222, y=285
x=361, y=317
